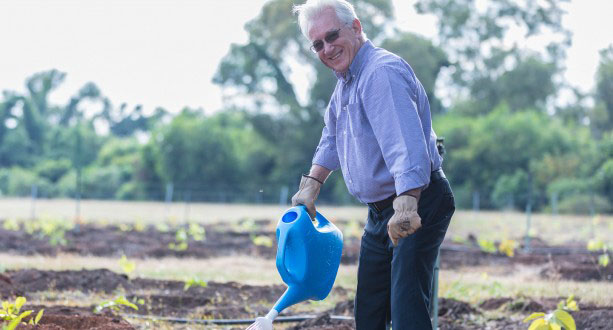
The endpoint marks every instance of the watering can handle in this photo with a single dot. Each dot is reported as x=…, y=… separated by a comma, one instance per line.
x=283, y=271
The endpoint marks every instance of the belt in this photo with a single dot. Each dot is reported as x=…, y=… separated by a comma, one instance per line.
x=383, y=204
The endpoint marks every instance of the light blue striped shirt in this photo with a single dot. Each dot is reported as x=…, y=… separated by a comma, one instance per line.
x=378, y=128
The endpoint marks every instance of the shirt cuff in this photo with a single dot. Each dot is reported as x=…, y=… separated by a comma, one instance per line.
x=411, y=180
x=327, y=159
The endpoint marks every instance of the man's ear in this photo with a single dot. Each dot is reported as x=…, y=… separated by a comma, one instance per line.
x=356, y=26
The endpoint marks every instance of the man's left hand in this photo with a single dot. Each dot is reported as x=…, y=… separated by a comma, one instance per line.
x=405, y=220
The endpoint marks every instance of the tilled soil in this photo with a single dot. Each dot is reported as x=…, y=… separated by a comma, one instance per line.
x=238, y=301
x=561, y=262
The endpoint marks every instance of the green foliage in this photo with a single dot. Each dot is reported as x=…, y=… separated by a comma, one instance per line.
x=126, y=265
x=12, y=312
x=487, y=246
x=117, y=303
x=194, y=281
x=556, y=320
x=261, y=240
x=180, y=243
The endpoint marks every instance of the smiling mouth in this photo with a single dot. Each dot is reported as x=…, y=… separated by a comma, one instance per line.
x=336, y=56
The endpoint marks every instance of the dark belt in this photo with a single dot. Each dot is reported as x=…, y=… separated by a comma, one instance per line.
x=383, y=204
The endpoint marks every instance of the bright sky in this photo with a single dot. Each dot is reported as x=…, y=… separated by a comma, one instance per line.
x=165, y=52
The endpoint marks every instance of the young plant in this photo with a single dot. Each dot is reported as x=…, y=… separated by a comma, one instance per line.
x=116, y=304
x=11, y=225
x=556, y=320
x=261, y=240
x=180, y=243
x=196, y=231
x=193, y=282
x=507, y=246
x=126, y=265
x=487, y=246
x=12, y=312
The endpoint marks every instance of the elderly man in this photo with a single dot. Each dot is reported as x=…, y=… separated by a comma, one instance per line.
x=378, y=131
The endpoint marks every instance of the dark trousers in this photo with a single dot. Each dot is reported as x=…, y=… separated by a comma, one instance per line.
x=395, y=283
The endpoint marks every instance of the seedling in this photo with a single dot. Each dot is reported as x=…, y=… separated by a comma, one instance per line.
x=162, y=227
x=116, y=304
x=11, y=225
x=180, y=243
x=556, y=320
x=139, y=226
x=196, y=231
x=261, y=240
x=126, y=265
x=603, y=259
x=595, y=245
x=12, y=312
x=193, y=282
x=507, y=246
x=487, y=246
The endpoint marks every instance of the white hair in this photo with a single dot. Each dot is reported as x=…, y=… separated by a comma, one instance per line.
x=313, y=8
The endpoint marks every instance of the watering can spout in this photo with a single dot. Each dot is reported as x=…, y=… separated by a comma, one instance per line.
x=291, y=296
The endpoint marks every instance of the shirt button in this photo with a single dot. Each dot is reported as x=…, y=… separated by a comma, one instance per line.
x=345, y=132
x=350, y=181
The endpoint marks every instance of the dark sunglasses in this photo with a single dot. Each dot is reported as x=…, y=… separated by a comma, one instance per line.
x=318, y=45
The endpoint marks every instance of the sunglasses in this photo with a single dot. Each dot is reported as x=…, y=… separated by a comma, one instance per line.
x=318, y=45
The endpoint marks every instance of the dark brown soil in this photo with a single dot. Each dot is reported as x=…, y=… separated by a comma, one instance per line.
x=563, y=262
x=234, y=300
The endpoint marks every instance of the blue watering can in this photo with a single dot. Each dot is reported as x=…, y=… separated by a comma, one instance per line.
x=308, y=256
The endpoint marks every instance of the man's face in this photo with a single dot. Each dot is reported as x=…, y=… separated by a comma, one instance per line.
x=338, y=54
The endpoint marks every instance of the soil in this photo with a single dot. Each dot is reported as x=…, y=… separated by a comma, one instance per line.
x=234, y=300
x=561, y=262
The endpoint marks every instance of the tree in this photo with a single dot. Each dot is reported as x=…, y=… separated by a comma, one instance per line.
x=474, y=36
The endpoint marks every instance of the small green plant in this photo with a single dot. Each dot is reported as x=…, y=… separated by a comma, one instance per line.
x=595, y=245
x=487, y=245
x=162, y=227
x=556, y=320
x=11, y=225
x=116, y=304
x=599, y=245
x=507, y=246
x=180, y=243
x=196, y=231
x=12, y=312
x=140, y=226
x=126, y=265
x=194, y=281
x=261, y=240
x=603, y=259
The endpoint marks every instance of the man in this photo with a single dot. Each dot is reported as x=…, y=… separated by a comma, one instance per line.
x=378, y=131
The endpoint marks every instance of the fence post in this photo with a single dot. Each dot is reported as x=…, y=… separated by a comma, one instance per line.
x=554, y=203
x=168, y=199
x=283, y=195
x=33, y=195
x=528, y=216
x=188, y=197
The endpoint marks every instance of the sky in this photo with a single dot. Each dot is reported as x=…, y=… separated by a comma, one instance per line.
x=165, y=52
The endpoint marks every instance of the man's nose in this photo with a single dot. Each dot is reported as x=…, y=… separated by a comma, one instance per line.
x=327, y=48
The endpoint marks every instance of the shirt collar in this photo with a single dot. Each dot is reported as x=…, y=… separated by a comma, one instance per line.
x=357, y=63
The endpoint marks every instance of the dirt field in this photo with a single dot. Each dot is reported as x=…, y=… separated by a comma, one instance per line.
x=69, y=267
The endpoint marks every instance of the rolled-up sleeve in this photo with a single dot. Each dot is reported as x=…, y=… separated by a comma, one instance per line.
x=389, y=98
x=326, y=154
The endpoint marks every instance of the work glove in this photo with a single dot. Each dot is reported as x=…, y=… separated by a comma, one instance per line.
x=405, y=220
x=307, y=194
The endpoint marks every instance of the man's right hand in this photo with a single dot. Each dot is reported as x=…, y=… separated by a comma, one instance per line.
x=307, y=194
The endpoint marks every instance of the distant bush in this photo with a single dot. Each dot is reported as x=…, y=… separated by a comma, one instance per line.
x=582, y=203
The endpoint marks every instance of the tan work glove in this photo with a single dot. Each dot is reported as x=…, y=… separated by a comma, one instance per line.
x=307, y=194
x=405, y=220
